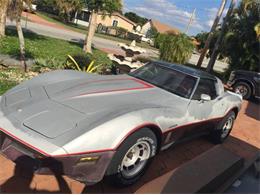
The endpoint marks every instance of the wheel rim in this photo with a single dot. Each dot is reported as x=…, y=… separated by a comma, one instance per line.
x=242, y=90
x=135, y=159
x=227, y=127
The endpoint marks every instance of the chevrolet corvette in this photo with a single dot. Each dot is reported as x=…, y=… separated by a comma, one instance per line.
x=112, y=126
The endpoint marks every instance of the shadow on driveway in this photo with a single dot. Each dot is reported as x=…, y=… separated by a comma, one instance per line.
x=21, y=181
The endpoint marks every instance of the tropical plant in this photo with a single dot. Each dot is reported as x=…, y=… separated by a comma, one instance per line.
x=241, y=40
x=3, y=13
x=176, y=48
x=159, y=39
x=47, y=6
x=202, y=37
x=98, y=7
x=15, y=9
x=90, y=68
x=46, y=64
x=66, y=8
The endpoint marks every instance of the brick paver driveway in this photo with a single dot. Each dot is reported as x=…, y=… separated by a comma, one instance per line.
x=244, y=140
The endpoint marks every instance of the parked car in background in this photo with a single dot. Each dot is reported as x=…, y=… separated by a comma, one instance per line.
x=112, y=125
x=246, y=83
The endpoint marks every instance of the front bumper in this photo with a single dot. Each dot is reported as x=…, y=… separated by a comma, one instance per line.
x=89, y=172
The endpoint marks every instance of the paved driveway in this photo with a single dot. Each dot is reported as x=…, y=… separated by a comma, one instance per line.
x=244, y=141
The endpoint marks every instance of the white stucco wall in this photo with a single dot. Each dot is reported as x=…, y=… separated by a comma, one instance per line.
x=146, y=27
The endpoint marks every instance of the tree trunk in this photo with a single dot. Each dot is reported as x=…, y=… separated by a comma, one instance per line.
x=215, y=53
x=213, y=28
x=21, y=42
x=91, y=31
x=3, y=12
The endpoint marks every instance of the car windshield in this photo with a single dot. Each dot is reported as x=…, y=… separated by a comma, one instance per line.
x=169, y=79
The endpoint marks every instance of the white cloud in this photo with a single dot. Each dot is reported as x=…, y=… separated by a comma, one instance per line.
x=209, y=23
x=164, y=11
x=167, y=12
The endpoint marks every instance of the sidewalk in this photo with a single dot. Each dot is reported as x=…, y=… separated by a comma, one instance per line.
x=244, y=141
x=37, y=19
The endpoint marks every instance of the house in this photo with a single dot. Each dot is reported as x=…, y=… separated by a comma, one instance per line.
x=115, y=19
x=160, y=27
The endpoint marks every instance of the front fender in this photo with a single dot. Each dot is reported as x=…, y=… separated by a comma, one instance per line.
x=109, y=135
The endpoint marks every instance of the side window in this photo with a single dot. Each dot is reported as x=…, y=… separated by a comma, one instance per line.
x=206, y=86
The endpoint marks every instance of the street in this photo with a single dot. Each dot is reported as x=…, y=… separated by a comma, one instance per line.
x=100, y=43
x=70, y=35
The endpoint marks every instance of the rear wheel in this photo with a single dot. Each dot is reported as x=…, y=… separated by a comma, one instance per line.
x=243, y=89
x=132, y=158
x=224, y=128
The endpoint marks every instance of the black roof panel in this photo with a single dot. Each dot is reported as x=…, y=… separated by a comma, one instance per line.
x=186, y=69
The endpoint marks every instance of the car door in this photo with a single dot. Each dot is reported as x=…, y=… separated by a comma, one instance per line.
x=181, y=87
x=203, y=112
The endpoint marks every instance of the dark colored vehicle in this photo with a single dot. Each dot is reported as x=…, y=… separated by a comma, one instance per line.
x=246, y=83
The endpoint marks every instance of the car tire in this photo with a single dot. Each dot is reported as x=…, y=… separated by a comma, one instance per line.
x=244, y=89
x=127, y=166
x=220, y=134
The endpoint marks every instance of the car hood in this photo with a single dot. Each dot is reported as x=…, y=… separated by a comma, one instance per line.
x=59, y=102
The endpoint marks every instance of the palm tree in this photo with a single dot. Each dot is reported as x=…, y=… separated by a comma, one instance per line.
x=66, y=7
x=241, y=41
x=176, y=48
x=3, y=13
x=96, y=7
x=15, y=10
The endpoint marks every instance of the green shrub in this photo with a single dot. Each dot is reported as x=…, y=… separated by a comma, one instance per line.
x=48, y=63
x=176, y=48
x=82, y=61
x=120, y=32
x=159, y=39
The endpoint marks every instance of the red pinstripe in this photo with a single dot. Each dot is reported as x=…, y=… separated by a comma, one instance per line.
x=145, y=86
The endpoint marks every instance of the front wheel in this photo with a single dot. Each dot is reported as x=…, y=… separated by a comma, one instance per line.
x=224, y=128
x=132, y=158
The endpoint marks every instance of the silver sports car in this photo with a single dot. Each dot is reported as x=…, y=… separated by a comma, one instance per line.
x=93, y=126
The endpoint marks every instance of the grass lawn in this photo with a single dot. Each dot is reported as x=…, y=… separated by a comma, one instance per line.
x=5, y=85
x=11, y=77
x=41, y=47
x=83, y=29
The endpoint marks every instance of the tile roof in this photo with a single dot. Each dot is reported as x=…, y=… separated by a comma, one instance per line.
x=163, y=28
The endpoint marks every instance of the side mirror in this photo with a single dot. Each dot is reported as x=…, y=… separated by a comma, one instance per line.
x=205, y=98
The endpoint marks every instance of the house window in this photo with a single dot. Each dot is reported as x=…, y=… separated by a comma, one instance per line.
x=115, y=23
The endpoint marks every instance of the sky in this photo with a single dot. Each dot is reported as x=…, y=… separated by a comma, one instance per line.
x=177, y=13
